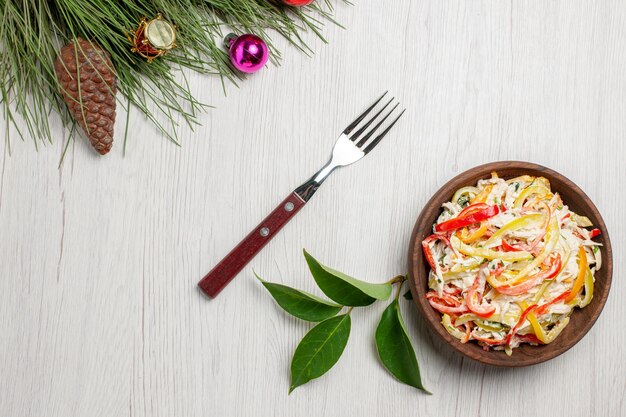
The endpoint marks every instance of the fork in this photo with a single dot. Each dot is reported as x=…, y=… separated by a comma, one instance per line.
x=349, y=148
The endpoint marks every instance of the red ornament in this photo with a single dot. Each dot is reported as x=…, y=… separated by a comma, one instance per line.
x=298, y=3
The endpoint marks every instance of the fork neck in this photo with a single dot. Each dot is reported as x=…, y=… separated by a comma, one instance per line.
x=306, y=190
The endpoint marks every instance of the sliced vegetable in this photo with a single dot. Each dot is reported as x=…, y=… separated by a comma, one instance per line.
x=542, y=309
x=552, y=236
x=580, y=279
x=488, y=253
x=539, y=332
x=538, y=190
x=581, y=221
x=550, y=272
x=513, y=225
x=468, y=237
x=521, y=321
x=473, y=303
x=447, y=324
x=588, y=289
x=426, y=247
x=464, y=195
x=442, y=305
x=483, y=195
x=473, y=214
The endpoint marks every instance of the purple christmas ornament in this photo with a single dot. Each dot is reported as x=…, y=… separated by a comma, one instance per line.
x=248, y=53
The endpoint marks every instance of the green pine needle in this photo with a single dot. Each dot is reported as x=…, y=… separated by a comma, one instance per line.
x=33, y=31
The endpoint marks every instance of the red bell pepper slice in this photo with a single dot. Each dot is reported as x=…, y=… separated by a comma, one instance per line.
x=509, y=336
x=446, y=303
x=555, y=268
x=507, y=247
x=452, y=290
x=519, y=323
x=543, y=309
x=474, y=302
x=529, y=338
x=475, y=213
x=490, y=342
x=593, y=233
x=426, y=248
x=442, y=308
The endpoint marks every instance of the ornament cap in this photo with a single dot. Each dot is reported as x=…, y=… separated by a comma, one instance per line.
x=229, y=40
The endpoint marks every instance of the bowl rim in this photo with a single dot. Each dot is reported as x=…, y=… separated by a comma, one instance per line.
x=497, y=358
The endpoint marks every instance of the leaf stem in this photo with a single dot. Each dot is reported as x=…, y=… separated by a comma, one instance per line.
x=399, y=288
x=396, y=279
x=349, y=311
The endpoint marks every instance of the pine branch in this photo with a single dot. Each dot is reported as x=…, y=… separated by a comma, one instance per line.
x=32, y=32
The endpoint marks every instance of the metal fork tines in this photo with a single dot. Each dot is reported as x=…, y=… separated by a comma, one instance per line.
x=350, y=147
x=356, y=141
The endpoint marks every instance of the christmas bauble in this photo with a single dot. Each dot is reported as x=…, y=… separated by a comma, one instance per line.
x=248, y=53
x=297, y=3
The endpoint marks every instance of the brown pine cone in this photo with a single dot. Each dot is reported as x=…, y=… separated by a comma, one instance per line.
x=92, y=66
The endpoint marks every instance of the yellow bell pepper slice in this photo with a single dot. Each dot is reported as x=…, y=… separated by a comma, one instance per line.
x=552, y=238
x=473, y=264
x=534, y=323
x=470, y=191
x=540, y=332
x=488, y=325
x=581, y=221
x=467, y=237
x=491, y=325
x=464, y=318
x=588, y=289
x=583, y=266
x=542, y=289
x=568, y=254
x=488, y=253
x=519, y=223
x=447, y=324
x=539, y=190
x=556, y=330
x=482, y=196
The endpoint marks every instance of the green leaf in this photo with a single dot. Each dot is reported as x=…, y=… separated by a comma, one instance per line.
x=395, y=349
x=319, y=350
x=301, y=304
x=344, y=289
x=407, y=295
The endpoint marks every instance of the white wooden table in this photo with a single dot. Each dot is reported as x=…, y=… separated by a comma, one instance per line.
x=99, y=259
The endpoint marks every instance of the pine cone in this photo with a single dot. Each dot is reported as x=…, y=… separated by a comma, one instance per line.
x=97, y=90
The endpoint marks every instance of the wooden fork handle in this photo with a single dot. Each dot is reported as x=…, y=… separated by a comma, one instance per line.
x=233, y=263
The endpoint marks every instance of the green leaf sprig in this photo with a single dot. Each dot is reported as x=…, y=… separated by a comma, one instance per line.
x=323, y=345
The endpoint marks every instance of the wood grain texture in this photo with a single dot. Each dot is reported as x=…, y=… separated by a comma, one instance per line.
x=99, y=311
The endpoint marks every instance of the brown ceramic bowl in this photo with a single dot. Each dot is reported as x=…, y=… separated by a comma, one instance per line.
x=581, y=319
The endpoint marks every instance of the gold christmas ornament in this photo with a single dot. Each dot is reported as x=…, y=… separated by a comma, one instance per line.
x=153, y=38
